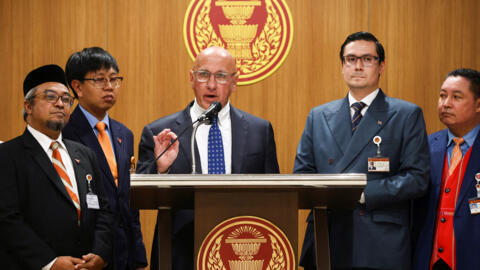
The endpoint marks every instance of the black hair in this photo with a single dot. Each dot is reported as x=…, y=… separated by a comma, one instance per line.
x=473, y=76
x=89, y=59
x=364, y=36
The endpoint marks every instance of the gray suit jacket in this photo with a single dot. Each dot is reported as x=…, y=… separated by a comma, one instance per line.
x=378, y=233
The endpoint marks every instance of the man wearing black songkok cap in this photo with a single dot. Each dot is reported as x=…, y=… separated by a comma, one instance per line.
x=53, y=212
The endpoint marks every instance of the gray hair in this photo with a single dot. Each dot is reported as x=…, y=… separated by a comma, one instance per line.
x=28, y=97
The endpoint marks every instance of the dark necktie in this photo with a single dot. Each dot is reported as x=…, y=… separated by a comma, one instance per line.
x=216, y=161
x=357, y=115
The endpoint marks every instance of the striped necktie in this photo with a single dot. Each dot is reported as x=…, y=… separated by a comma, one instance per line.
x=457, y=155
x=62, y=172
x=216, y=160
x=106, y=145
x=357, y=115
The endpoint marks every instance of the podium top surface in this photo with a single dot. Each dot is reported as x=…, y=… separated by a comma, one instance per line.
x=150, y=191
x=249, y=180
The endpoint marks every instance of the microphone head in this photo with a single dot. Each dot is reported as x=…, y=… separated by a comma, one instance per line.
x=212, y=112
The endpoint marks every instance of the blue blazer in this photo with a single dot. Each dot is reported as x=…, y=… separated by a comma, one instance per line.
x=253, y=151
x=465, y=226
x=376, y=234
x=129, y=251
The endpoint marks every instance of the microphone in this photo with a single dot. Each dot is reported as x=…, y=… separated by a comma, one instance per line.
x=210, y=113
x=206, y=118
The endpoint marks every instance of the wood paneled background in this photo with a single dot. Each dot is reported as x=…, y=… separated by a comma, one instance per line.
x=424, y=40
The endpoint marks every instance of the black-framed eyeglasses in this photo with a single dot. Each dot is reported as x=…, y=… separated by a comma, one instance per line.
x=220, y=77
x=102, y=82
x=367, y=60
x=52, y=98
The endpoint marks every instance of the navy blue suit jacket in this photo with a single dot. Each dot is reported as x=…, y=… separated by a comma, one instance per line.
x=466, y=227
x=38, y=220
x=128, y=243
x=376, y=234
x=253, y=151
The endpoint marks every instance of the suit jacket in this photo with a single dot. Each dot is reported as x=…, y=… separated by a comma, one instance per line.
x=465, y=226
x=38, y=220
x=253, y=151
x=376, y=234
x=128, y=243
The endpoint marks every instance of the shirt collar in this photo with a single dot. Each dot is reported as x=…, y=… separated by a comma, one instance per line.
x=44, y=140
x=469, y=137
x=92, y=120
x=223, y=115
x=367, y=100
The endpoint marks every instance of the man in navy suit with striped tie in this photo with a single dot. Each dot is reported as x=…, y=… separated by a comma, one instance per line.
x=367, y=129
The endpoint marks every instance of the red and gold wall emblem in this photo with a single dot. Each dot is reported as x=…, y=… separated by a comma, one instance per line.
x=246, y=242
x=257, y=33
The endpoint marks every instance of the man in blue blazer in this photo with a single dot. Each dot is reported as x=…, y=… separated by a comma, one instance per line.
x=450, y=235
x=248, y=142
x=93, y=76
x=344, y=136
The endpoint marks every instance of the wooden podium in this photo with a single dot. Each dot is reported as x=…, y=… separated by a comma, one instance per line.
x=274, y=197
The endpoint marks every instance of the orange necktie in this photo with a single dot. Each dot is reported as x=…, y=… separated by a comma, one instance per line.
x=62, y=172
x=106, y=145
x=456, y=154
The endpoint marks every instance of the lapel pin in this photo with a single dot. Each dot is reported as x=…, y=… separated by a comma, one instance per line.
x=119, y=140
x=380, y=122
x=77, y=160
x=89, y=177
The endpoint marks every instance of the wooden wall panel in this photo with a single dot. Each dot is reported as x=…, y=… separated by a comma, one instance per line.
x=36, y=33
x=425, y=40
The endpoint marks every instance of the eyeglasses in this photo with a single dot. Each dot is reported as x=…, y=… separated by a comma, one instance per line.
x=52, y=98
x=367, y=60
x=102, y=82
x=220, y=77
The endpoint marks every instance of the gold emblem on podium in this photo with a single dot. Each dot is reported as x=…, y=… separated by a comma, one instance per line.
x=246, y=242
x=257, y=33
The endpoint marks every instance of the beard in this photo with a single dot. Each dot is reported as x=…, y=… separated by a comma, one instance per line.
x=56, y=125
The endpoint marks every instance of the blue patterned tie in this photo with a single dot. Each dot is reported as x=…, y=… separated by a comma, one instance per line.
x=357, y=115
x=216, y=161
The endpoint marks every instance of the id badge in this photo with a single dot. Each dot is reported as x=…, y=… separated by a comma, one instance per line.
x=378, y=164
x=92, y=201
x=474, y=205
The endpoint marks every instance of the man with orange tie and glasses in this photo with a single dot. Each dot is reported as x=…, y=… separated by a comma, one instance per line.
x=53, y=211
x=93, y=75
x=450, y=235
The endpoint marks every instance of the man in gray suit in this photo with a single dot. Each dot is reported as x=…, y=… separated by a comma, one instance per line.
x=347, y=136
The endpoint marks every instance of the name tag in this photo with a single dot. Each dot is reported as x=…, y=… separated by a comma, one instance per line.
x=378, y=164
x=92, y=201
x=474, y=204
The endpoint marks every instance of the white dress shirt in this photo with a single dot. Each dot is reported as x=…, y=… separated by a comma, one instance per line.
x=201, y=138
x=45, y=143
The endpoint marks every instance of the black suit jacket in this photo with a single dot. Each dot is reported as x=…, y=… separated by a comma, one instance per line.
x=128, y=243
x=253, y=144
x=253, y=151
x=38, y=220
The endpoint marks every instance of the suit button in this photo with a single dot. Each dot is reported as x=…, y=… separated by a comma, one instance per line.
x=440, y=250
x=447, y=190
x=443, y=220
